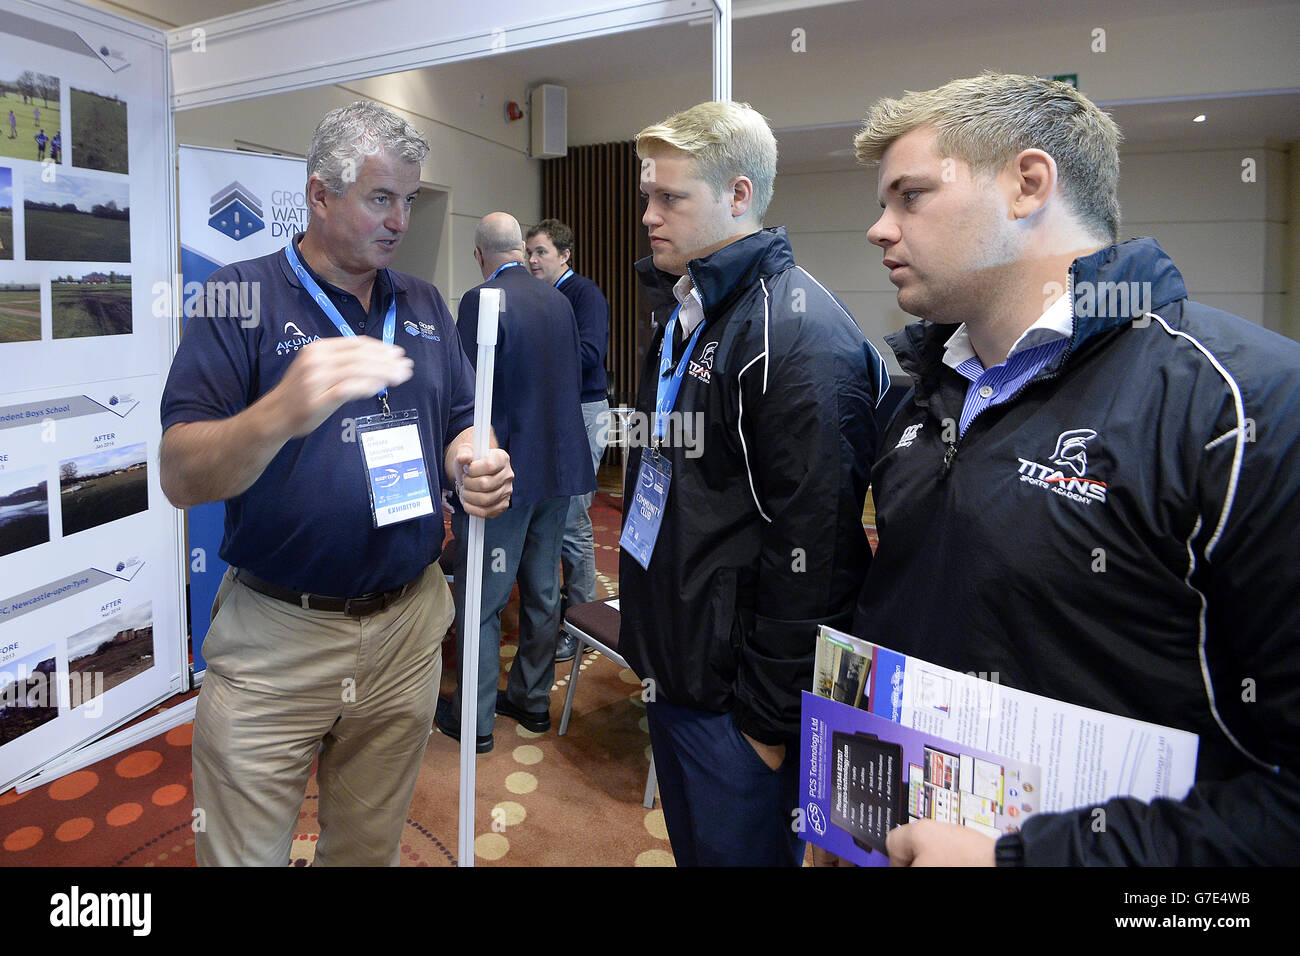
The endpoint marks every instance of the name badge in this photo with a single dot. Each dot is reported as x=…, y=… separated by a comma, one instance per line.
x=396, y=473
x=647, y=512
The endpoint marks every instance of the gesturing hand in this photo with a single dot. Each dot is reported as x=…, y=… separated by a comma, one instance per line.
x=330, y=372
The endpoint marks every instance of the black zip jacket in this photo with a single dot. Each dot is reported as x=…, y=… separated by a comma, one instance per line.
x=1122, y=534
x=762, y=537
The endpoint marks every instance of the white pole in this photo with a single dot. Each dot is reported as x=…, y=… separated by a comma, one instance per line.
x=489, y=307
x=722, y=49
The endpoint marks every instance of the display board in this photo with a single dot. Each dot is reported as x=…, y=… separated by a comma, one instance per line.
x=233, y=206
x=91, y=583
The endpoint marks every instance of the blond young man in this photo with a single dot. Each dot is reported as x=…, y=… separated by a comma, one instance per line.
x=1055, y=422
x=743, y=530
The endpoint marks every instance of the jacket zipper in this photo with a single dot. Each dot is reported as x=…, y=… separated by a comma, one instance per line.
x=951, y=452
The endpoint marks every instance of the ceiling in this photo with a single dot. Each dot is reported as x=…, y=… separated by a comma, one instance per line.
x=762, y=27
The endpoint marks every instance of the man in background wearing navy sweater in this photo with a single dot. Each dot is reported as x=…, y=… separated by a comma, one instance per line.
x=550, y=257
x=537, y=417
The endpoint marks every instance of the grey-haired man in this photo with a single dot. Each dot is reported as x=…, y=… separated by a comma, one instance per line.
x=326, y=634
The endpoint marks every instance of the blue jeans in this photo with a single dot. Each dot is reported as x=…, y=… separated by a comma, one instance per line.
x=723, y=806
x=578, y=555
x=523, y=543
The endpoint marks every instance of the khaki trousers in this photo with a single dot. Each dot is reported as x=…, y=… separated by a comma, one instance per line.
x=285, y=683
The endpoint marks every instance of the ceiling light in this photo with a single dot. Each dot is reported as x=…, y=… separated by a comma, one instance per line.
x=1199, y=119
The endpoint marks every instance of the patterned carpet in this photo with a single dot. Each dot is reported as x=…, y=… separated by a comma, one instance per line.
x=542, y=799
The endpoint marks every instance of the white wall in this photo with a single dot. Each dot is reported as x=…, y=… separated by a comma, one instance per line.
x=1227, y=237
x=475, y=156
x=1203, y=54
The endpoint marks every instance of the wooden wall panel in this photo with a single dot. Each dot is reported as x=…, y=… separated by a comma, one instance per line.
x=594, y=190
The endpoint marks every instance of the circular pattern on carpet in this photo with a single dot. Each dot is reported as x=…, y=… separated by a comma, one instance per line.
x=74, y=829
x=491, y=846
x=124, y=813
x=138, y=764
x=521, y=782
x=74, y=785
x=655, y=858
x=527, y=754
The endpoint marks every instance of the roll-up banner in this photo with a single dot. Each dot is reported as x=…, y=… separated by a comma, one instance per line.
x=233, y=206
x=91, y=589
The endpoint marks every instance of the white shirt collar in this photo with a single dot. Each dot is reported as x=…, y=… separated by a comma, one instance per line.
x=1056, y=322
x=692, y=312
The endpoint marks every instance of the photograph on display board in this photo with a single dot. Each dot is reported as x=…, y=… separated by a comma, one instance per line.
x=98, y=131
x=97, y=303
x=76, y=218
x=29, y=694
x=20, y=312
x=110, y=653
x=6, y=213
x=30, y=117
x=24, y=509
x=102, y=487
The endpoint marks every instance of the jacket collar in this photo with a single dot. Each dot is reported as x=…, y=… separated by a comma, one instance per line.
x=725, y=274
x=1137, y=272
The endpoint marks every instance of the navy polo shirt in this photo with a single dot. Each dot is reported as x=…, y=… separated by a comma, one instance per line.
x=592, y=312
x=305, y=524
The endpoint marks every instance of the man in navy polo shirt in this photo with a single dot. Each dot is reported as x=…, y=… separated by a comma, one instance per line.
x=329, y=444
x=550, y=257
x=537, y=418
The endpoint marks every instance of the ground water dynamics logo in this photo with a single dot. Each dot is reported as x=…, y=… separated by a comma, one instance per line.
x=236, y=212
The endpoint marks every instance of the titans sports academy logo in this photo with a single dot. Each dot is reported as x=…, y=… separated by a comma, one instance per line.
x=1070, y=455
x=703, y=369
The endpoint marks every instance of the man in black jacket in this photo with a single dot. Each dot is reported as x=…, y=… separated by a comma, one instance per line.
x=743, y=530
x=1091, y=489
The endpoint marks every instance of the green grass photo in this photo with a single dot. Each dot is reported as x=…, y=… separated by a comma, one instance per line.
x=29, y=103
x=102, y=487
x=6, y=213
x=96, y=304
x=20, y=312
x=98, y=131
x=76, y=219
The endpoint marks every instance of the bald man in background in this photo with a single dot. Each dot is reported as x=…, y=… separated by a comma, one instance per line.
x=537, y=418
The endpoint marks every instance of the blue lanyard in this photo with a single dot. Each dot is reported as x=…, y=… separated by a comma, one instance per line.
x=501, y=268
x=332, y=312
x=560, y=281
x=666, y=396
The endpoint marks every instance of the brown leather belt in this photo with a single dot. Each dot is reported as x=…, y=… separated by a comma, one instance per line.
x=360, y=606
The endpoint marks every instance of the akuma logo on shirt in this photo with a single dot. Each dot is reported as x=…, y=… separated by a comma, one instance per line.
x=293, y=339
x=236, y=211
x=1071, y=452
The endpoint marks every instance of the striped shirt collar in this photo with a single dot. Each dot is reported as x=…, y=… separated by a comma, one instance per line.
x=1057, y=322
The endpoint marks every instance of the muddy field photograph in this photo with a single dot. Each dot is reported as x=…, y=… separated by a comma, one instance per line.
x=97, y=303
